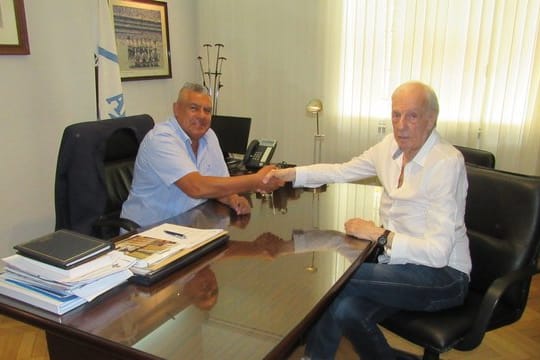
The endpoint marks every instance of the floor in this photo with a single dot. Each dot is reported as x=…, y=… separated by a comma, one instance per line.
x=520, y=341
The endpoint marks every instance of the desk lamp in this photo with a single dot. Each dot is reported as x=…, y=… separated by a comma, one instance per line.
x=315, y=107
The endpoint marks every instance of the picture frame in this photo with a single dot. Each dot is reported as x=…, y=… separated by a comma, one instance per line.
x=141, y=30
x=13, y=33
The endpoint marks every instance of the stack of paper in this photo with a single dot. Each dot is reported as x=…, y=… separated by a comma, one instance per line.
x=163, y=244
x=59, y=290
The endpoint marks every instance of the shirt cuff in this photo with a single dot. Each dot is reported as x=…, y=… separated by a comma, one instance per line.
x=300, y=178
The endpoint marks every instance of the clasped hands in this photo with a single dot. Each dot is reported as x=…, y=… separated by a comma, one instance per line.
x=271, y=178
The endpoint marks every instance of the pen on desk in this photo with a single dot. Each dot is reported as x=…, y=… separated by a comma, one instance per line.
x=178, y=235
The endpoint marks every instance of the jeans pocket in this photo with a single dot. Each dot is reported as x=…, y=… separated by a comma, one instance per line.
x=452, y=295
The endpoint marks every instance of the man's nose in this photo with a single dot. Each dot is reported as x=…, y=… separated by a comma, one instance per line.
x=400, y=123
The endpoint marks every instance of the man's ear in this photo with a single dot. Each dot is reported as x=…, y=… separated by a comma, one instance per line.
x=432, y=121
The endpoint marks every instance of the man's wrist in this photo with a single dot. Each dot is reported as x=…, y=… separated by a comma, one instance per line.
x=389, y=238
x=291, y=174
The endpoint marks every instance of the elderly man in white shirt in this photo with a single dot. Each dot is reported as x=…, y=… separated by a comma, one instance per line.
x=426, y=261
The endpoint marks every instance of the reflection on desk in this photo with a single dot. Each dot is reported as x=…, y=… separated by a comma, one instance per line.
x=251, y=299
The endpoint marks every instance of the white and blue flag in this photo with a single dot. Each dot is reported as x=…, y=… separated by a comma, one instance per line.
x=110, y=95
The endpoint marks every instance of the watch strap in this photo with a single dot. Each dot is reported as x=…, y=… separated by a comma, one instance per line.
x=383, y=239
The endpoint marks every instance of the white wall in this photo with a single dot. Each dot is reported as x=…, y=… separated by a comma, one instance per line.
x=274, y=68
x=52, y=87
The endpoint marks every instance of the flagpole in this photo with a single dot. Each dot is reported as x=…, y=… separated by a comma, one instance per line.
x=96, y=84
x=109, y=93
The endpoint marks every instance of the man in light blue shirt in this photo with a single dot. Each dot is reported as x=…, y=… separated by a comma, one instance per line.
x=180, y=165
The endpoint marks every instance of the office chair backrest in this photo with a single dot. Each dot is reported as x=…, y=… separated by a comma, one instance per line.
x=503, y=224
x=95, y=169
x=120, y=152
x=477, y=156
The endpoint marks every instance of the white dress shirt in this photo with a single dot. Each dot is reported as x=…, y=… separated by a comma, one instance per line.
x=426, y=213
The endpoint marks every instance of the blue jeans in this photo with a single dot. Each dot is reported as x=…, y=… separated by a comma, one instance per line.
x=374, y=292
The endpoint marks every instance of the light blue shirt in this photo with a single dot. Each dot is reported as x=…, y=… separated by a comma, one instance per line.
x=165, y=156
x=426, y=213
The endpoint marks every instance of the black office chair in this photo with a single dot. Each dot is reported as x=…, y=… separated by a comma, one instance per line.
x=94, y=173
x=477, y=156
x=503, y=225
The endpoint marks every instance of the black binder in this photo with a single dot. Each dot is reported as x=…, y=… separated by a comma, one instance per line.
x=64, y=248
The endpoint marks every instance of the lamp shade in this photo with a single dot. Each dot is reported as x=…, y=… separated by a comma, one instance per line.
x=314, y=106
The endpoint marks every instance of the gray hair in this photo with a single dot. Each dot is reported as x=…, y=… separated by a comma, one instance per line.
x=431, y=96
x=433, y=102
x=195, y=87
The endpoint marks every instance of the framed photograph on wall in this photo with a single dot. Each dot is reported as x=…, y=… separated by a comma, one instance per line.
x=13, y=34
x=142, y=39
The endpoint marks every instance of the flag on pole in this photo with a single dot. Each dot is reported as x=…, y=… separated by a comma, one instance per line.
x=110, y=97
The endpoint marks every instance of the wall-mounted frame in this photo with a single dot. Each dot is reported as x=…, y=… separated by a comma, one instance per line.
x=13, y=34
x=142, y=39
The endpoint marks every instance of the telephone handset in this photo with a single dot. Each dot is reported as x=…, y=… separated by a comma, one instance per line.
x=259, y=153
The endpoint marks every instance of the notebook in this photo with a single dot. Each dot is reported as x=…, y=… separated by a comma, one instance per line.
x=64, y=248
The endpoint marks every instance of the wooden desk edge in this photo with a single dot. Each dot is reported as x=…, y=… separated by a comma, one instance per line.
x=287, y=345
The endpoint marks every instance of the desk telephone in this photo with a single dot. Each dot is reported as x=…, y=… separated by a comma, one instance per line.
x=259, y=153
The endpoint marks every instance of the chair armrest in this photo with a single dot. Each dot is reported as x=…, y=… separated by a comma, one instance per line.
x=122, y=223
x=128, y=225
x=492, y=296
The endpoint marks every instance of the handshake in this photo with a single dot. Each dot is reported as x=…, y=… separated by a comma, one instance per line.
x=271, y=177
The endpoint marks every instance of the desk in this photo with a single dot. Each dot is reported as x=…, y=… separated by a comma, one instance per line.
x=254, y=298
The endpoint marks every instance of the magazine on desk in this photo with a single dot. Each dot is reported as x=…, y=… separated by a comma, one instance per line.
x=165, y=246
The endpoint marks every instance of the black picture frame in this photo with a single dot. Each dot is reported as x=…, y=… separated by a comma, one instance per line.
x=142, y=39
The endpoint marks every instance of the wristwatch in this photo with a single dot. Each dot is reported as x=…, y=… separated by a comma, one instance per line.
x=383, y=239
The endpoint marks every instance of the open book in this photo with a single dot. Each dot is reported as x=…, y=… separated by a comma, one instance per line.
x=163, y=244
